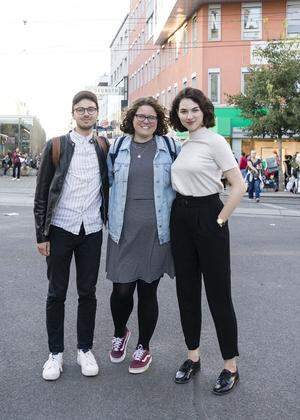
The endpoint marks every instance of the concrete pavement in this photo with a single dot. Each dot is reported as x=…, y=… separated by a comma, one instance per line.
x=265, y=282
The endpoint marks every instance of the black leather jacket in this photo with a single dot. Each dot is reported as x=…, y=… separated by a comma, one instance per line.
x=50, y=181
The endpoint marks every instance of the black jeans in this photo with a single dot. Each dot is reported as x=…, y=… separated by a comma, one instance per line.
x=17, y=170
x=121, y=303
x=87, y=252
x=201, y=247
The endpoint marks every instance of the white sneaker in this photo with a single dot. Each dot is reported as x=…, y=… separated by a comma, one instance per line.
x=53, y=367
x=87, y=361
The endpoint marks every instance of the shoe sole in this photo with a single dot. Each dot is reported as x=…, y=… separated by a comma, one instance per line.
x=53, y=379
x=140, y=370
x=120, y=359
x=186, y=382
x=226, y=392
x=86, y=373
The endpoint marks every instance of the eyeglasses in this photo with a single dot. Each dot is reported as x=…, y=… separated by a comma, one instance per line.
x=141, y=117
x=90, y=110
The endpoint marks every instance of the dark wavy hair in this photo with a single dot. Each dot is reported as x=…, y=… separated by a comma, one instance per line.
x=162, y=122
x=204, y=103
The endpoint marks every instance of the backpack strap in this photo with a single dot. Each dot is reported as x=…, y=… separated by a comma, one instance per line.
x=55, y=151
x=173, y=153
x=103, y=144
x=117, y=145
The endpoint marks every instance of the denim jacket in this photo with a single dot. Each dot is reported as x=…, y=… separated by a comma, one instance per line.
x=163, y=192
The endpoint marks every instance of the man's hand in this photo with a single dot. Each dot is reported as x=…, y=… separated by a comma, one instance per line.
x=44, y=248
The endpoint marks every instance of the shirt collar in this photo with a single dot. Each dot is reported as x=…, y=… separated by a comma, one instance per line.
x=79, y=139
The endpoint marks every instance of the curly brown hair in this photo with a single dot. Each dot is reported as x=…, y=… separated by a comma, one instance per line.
x=204, y=103
x=162, y=122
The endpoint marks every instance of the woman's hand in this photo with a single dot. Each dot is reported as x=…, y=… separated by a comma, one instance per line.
x=237, y=190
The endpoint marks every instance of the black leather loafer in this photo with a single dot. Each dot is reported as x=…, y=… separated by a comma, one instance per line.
x=226, y=382
x=186, y=371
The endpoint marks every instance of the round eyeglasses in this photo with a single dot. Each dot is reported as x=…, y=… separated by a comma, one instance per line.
x=90, y=110
x=150, y=118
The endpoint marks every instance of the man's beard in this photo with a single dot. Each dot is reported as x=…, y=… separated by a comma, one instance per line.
x=85, y=127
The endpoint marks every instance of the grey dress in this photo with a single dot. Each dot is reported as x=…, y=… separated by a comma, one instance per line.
x=139, y=255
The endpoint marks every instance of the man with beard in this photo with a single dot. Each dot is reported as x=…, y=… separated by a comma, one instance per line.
x=70, y=208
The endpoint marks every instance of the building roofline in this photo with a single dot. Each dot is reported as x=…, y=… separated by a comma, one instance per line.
x=118, y=31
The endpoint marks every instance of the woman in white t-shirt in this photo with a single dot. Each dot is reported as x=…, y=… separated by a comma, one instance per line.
x=200, y=235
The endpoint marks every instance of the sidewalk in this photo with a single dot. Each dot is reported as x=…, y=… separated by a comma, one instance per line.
x=272, y=194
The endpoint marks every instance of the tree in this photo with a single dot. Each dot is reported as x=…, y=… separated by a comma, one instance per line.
x=272, y=96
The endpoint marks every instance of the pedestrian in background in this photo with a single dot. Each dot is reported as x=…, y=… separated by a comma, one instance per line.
x=254, y=176
x=138, y=251
x=70, y=208
x=200, y=234
x=6, y=163
x=243, y=164
x=16, y=161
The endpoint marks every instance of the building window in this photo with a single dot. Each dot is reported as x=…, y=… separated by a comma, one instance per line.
x=169, y=100
x=149, y=69
x=142, y=76
x=194, y=80
x=293, y=18
x=194, y=31
x=157, y=64
x=245, y=74
x=150, y=27
x=214, y=85
x=152, y=68
x=163, y=99
x=185, y=40
x=146, y=73
x=175, y=89
x=251, y=21
x=214, y=22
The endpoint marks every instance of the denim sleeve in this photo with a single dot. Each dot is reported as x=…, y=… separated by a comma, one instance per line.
x=178, y=147
x=110, y=165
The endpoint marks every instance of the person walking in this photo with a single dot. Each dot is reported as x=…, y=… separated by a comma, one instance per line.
x=200, y=234
x=243, y=164
x=6, y=163
x=254, y=176
x=16, y=161
x=138, y=251
x=70, y=207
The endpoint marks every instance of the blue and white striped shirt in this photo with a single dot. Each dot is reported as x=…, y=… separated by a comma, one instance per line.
x=80, y=200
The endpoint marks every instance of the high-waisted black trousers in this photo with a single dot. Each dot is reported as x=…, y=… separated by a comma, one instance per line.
x=200, y=247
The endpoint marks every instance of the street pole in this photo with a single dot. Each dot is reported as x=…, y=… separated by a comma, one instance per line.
x=19, y=133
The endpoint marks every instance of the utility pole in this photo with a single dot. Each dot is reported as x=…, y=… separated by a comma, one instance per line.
x=19, y=133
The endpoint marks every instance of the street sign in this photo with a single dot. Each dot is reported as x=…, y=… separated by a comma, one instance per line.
x=106, y=90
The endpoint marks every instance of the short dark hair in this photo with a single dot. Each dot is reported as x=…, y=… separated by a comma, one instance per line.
x=84, y=94
x=162, y=124
x=204, y=103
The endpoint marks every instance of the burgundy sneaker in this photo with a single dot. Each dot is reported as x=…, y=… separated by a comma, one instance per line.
x=141, y=360
x=118, y=349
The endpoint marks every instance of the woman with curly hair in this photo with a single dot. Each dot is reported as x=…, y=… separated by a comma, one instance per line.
x=138, y=251
x=200, y=235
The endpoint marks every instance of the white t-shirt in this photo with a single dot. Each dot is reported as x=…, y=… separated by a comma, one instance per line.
x=198, y=169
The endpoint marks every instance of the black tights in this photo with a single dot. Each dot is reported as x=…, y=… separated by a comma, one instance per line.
x=121, y=303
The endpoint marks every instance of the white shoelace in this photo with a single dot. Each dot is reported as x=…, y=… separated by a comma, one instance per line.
x=138, y=354
x=89, y=358
x=52, y=360
x=117, y=343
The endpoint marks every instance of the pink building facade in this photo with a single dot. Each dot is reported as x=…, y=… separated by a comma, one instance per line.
x=199, y=43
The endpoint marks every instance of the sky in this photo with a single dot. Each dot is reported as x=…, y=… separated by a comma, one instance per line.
x=51, y=49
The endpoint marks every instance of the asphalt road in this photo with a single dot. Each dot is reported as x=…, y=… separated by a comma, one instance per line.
x=265, y=282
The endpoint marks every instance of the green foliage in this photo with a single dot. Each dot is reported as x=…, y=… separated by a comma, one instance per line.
x=272, y=97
